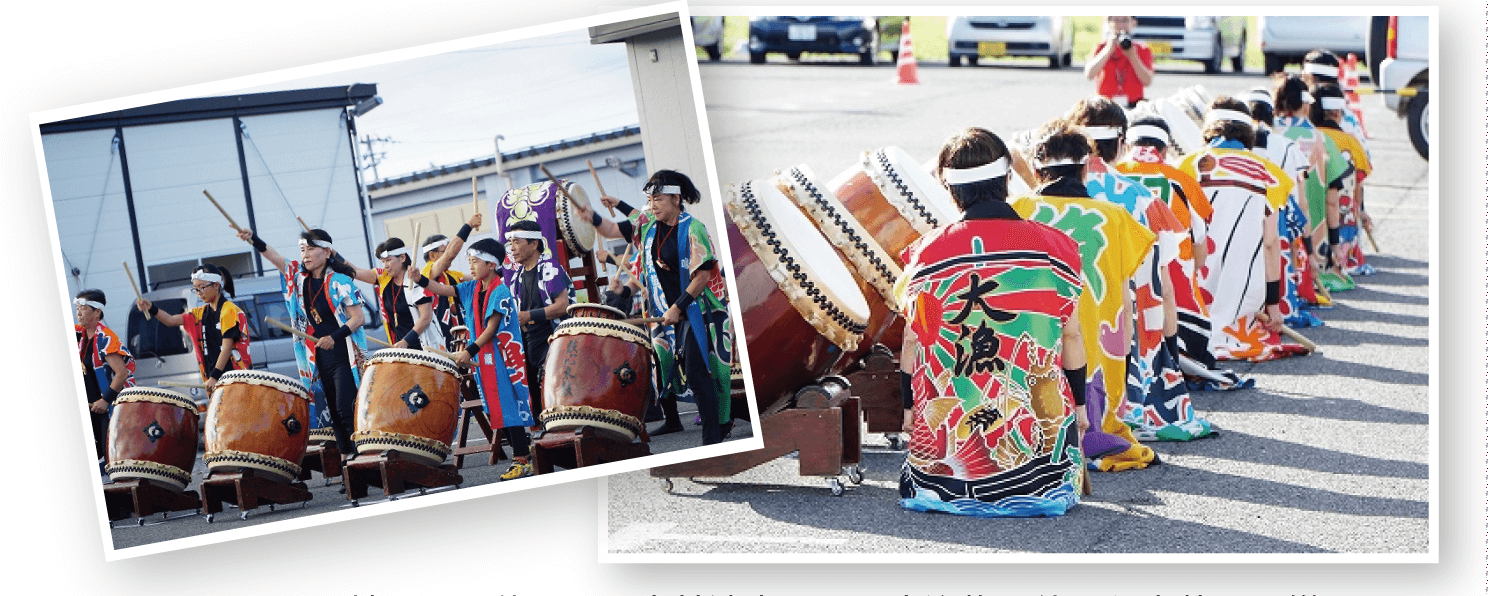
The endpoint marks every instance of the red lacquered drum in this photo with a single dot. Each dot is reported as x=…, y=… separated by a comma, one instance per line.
x=152, y=436
x=409, y=402
x=598, y=374
x=876, y=270
x=802, y=306
x=893, y=198
x=258, y=420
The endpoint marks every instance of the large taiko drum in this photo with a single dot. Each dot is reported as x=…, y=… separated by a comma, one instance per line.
x=876, y=270
x=893, y=198
x=597, y=374
x=802, y=307
x=257, y=420
x=409, y=402
x=152, y=436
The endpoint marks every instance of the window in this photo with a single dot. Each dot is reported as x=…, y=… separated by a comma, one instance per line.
x=148, y=338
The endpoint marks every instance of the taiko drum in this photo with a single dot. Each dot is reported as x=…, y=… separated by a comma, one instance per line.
x=597, y=374
x=409, y=402
x=152, y=436
x=257, y=421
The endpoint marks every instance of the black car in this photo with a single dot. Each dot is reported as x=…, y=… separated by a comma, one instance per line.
x=826, y=35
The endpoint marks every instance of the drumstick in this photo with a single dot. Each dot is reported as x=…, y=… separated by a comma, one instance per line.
x=642, y=320
x=132, y=283
x=182, y=384
x=302, y=223
x=1085, y=488
x=379, y=342
x=1370, y=235
x=599, y=185
x=224, y=211
x=290, y=330
x=416, y=227
x=475, y=194
x=1297, y=337
x=554, y=180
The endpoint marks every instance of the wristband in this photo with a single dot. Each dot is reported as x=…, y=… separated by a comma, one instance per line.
x=537, y=315
x=906, y=391
x=341, y=334
x=596, y=220
x=464, y=233
x=1333, y=237
x=472, y=349
x=624, y=207
x=258, y=243
x=109, y=395
x=215, y=373
x=1076, y=379
x=1273, y=292
x=423, y=281
x=683, y=301
x=339, y=265
x=411, y=338
x=154, y=310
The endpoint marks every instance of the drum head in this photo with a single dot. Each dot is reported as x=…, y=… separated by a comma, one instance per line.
x=263, y=377
x=581, y=306
x=803, y=263
x=577, y=232
x=156, y=395
x=917, y=195
x=419, y=357
x=833, y=220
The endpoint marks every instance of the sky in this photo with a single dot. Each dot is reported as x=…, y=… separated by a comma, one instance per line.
x=447, y=108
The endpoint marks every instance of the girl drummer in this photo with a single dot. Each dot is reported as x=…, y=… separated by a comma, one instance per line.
x=446, y=314
x=218, y=328
x=407, y=310
x=677, y=266
x=107, y=367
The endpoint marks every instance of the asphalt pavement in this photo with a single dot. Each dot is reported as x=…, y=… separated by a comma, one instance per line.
x=1329, y=453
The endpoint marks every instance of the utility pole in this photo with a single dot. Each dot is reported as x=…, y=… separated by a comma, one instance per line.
x=371, y=156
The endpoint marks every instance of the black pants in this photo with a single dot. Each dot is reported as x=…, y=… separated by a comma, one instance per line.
x=100, y=432
x=700, y=381
x=520, y=442
x=537, y=357
x=340, y=393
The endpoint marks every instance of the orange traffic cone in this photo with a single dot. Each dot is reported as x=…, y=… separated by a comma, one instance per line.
x=1348, y=79
x=908, y=69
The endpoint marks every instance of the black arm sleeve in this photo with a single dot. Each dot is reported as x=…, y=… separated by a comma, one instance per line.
x=627, y=229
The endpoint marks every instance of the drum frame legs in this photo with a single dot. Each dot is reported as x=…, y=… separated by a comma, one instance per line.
x=141, y=498
x=580, y=447
x=321, y=457
x=248, y=490
x=393, y=474
x=876, y=384
x=472, y=408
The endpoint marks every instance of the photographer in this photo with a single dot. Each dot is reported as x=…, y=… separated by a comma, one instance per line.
x=1120, y=66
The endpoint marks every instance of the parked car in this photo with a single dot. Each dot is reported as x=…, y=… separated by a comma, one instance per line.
x=1285, y=40
x=707, y=33
x=973, y=38
x=1406, y=64
x=793, y=36
x=1206, y=39
x=164, y=353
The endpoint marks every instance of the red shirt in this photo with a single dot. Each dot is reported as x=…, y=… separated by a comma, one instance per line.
x=1118, y=77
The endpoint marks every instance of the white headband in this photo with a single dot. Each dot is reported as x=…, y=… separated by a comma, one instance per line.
x=1306, y=97
x=82, y=301
x=1102, y=133
x=484, y=256
x=211, y=278
x=1334, y=103
x=1318, y=68
x=436, y=245
x=1260, y=97
x=670, y=189
x=528, y=234
x=395, y=252
x=319, y=243
x=996, y=169
x=1218, y=114
x=1061, y=162
x=1147, y=131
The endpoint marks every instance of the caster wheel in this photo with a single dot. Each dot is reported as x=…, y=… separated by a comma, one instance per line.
x=243, y=516
x=354, y=503
x=895, y=443
x=304, y=504
x=271, y=506
x=836, y=486
x=210, y=516
x=140, y=523
x=666, y=484
x=855, y=475
x=392, y=498
x=421, y=492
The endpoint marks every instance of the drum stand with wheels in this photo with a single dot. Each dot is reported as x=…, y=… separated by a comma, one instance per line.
x=579, y=447
x=141, y=498
x=822, y=422
x=321, y=457
x=247, y=489
x=393, y=474
x=471, y=408
x=876, y=383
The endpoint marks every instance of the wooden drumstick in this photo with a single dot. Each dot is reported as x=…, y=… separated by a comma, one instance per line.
x=1297, y=337
x=642, y=320
x=230, y=221
x=132, y=284
x=290, y=330
x=555, y=182
x=1370, y=235
x=475, y=194
x=302, y=223
x=182, y=384
x=379, y=342
x=599, y=185
x=414, y=244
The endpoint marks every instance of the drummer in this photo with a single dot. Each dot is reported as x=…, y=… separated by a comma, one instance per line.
x=1009, y=368
x=671, y=246
x=407, y=310
x=107, y=367
x=218, y=328
x=541, y=287
x=446, y=315
x=326, y=305
x=496, y=349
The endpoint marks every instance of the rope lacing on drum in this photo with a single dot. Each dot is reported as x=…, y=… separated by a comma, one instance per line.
x=625, y=329
x=254, y=377
x=565, y=223
x=816, y=295
x=434, y=361
x=837, y=218
x=893, y=175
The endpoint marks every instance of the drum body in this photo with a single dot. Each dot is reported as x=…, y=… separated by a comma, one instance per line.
x=597, y=374
x=893, y=198
x=257, y=420
x=409, y=402
x=802, y=309
x=152, y=436
x=577, y=232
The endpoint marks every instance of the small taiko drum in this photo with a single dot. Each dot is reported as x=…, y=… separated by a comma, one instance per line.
x=893, y=198
x=802, y=307
x=597, y=374
x=257, y=420
x=577, y=232
x=876, y=270
x=409, y=402
x=152, y=436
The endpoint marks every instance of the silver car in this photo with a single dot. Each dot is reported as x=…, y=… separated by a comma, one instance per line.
x=974, y=38
x=1206, y=39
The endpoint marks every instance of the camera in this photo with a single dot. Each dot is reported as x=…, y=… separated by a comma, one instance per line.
x=1124, y=40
